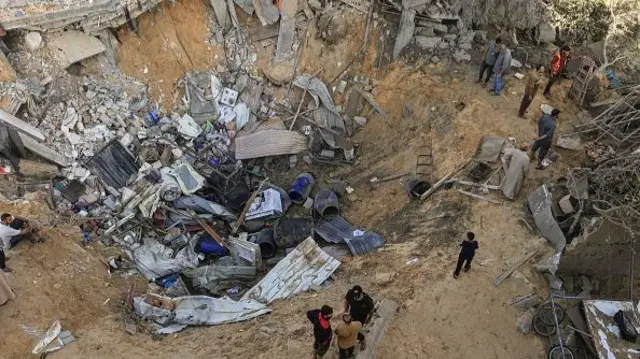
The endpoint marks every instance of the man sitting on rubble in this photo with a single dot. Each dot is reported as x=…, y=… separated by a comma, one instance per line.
x=360, y=306
x=322, y=333
x=13, y=231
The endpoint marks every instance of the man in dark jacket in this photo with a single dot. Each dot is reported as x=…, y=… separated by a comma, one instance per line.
x=546, y=129
x=468, y=250
x=322, y=333
x=360, y=305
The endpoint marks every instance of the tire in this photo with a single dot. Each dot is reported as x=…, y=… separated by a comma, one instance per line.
x=541, y=328
x=556, y=353
x=546, y=313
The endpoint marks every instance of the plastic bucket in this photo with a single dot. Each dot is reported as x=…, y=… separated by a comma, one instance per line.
x=301, y=188
x=266, y=242
x=326, y=203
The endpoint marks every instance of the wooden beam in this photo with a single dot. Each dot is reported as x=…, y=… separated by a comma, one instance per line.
x=246, y=207
x=512, y=269
x=376, y=329
x=20, y=125
x=443, y=180
x=477, y=196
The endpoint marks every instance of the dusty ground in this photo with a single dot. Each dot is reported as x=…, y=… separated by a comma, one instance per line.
x=439, y=317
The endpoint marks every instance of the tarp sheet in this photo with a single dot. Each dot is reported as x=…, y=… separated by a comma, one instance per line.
x=200, y=310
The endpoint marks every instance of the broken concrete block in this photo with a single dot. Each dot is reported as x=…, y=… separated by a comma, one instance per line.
x=428, y=42
x=547, y=33
x=424, y=31
x=461, y=55
x=328, y=154
x=443, y=45
x=465, y=46
x=435, y=59
x=360, y=121
x=279, y=73
x=33, y=40
x=565, y=204
x=73, y=46
x=524, y=322
x=480, y=36
x=407, y=27
x=384, y=278
x=516, y=64
x=569, y=142
x=450, y=37
x=440, y=29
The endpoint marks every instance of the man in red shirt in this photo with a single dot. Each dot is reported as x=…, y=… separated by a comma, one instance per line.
x=322, y=334
x=557, y=65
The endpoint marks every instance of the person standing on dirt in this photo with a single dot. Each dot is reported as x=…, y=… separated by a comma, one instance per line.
x=558, y=63
x=517, y=171
x=360, y=306
x=322, y=333
x=488, y=60
x=501, y=69
x=531, y=87
x=546, y=130
x=347, y=333
x=467, y=252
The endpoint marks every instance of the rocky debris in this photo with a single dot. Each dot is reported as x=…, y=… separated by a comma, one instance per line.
x=33, y=40
x=428, y=42
x=73, y=46
x=279, y=73
x=480, y=36
x=435, y=59
x=461, y=55
x=546, y=33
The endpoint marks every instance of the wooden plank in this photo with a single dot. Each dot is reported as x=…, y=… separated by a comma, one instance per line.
x=284, y=45
x=247, y=206
x=376, y=329
x=512, y=269
x=477, y=196
x=20, y=125
x=43, y=151
x=443, y=180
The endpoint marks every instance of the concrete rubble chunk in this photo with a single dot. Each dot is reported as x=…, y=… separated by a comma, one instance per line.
x=565, y=204
x=266, y=11
x=360, y=121
x=284, y=45
x=424, y=31
x=435, y=59
x=73, y=46
x=516, y=64
x=428, y=42
x=33, y=40
x=461, y=55
x=480, y=37
x=465, y=46
x=407, y=27
x=547, y=34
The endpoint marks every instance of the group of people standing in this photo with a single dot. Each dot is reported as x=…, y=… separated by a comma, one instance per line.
x=496, y=62
x=358, y=311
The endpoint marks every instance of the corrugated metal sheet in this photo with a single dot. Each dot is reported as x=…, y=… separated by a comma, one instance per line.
x=540, y=205
x=270, y=143
x=305, y=266
x=606, y=335
x=365, y=243
x=335, y=229
x=113, y=164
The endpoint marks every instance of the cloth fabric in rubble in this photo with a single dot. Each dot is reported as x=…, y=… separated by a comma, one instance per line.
x=154, y=260
x=200, y=310
x=326, y=113
x=517, y=164
x=201, y=205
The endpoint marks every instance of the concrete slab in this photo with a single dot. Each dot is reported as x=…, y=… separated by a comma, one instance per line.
x=73, y=46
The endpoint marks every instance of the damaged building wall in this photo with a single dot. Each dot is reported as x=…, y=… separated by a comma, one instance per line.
x=602, y=252
x=520, y=14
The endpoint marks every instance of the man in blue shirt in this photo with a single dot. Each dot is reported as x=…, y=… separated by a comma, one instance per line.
x=501, y=68
x=489, y=59
x=546, y=130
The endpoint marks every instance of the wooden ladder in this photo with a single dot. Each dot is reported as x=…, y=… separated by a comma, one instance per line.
x=580, y=83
